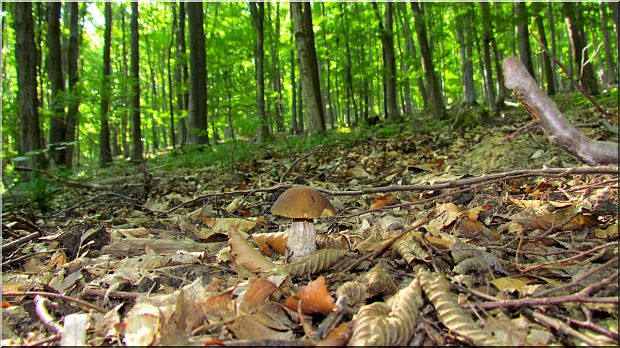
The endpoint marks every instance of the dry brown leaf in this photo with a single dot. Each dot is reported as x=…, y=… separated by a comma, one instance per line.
x=271, y=241
x=247, y=327
x=338, y=337
x=245, y=256
x=315, y=298
x=382, y=201
x=472, y=214
x=258, y=292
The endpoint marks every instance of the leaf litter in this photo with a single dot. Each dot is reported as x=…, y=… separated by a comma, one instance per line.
x=523, y=260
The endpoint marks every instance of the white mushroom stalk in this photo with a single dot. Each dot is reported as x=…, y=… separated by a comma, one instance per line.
x=301, y=239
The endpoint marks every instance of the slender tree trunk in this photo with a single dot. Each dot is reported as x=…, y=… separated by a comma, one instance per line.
x=54, y=73
x=258, y=16
x=294, y=129
x=552, y=33
x=525, y=53
x=463, y=33
x=198, y=125
x=26, y=58
x=349, y=75
x=487, y=37
x=173, y=139
x=181, y=75
x=105, y=155
x=616, y=14
x=408, y=57
x=435, y=99
x=126, y=107
x=136, y=131
x=389, y=60
x=304, y=35
x=610, y=68
x=547, y=68
x=328, y=98
x=276, y=79
x=577, y=37
x=73, y=76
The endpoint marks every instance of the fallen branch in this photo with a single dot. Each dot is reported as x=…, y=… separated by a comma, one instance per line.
x=57, y=296
x=545, y=111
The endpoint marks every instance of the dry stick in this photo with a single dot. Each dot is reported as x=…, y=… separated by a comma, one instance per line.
x=546, y=301
x=589, y=325
x=53, y=338
x=565, y=71
x=45, y=316
x=299, y=159
x=578, y=279
x=16, y=243
x=521, y=173
x=558, y=129
x=570, y=259
x=53, y=295
x=558, y=325
x=123, y=295
x=133, y=201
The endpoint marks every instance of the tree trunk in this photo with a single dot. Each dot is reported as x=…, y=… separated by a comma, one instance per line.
x=73, y=76
x=294, y=129
x=610, y=68
x=487, y=37
x=587, y=79
x=173, y=139
x=328, y=98
x=523, y=36
x=197, y=114
x=547, y=67
x=349, y=75
x=556, y=81
x=276, y=78
x=616, y=12
x=258, y=16
x=54, y=73
x=408, y=57
x=389, y=61
x=136, y=132
x=105, y=155
x=181, y=75
x=26, y=59
x=125, y=116
x=434, y=94
x=463, y=34
x=311, y=91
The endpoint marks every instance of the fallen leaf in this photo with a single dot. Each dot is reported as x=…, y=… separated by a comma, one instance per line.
x=315, y=298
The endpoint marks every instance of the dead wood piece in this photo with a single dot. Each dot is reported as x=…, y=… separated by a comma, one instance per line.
x=137, y=246
x=559, y=130
x=18, y=242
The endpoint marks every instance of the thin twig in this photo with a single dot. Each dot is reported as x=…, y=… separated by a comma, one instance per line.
x=45, y=316
x=57, y=296
x=570, y=259
x=560, y=326
x=579, y=278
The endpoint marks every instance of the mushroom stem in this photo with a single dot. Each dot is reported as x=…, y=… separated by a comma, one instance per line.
x=301, y=240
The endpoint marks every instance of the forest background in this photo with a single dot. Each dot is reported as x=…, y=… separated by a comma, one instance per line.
x=86, y=82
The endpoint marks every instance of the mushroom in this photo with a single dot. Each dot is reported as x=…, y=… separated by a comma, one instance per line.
x=303, y=204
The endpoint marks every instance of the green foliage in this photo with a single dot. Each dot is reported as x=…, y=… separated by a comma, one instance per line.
x=39, y=191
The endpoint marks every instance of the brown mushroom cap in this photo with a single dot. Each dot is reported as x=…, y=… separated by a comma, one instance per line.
x=302, y=202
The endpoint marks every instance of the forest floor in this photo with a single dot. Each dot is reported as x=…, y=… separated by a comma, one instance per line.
x=444, y=235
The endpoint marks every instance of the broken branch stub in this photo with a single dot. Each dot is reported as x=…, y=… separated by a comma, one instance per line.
x=546, y=112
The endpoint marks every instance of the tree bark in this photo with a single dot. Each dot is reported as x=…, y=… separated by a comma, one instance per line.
x=294, y=129
x=125, y=116
x=311, y=91
x=257, y=11
x=616, y=12
x=408, y=58
x=328, y=97
x=610, y=68
x=389, y=60
x=54, y=73
x=73, y=76
x=463, y=34
x=26, y=59
x=173, y=139
x=487, y=37
x=181, y=75
x=276, y=78
x=197, y=114
x=434, y=94
x=349, y=75
x=523, y=36
x=105, y=155
x=546, y=112
x=587, y=79
x=136, y=132
x=547, y=67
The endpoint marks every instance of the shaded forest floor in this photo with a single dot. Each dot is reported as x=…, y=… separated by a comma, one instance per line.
x=529, y=259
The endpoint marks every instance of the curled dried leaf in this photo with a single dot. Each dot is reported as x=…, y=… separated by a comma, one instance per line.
x=354, y=291
x=338, y=337
x=378, y=281
x=409, y=250
x=320, y=261
x=437, y=289
x=271, y=241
